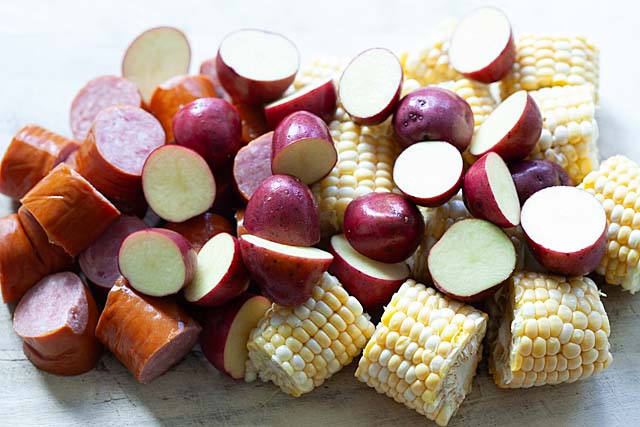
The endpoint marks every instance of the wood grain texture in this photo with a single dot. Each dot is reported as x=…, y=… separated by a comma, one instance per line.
x=51, y=49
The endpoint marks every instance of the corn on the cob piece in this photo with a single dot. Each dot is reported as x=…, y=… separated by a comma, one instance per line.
x=554, y=330
x=617, y=186
x=477, y=95
x=429, y=63
x=425, y=351
x=548, y=61
x=570, y=130
x=319, y=68
x=299, y=348
x=366, y=155
x=440, y=219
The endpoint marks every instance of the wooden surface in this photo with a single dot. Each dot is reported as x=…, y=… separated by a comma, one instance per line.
x=51, y=48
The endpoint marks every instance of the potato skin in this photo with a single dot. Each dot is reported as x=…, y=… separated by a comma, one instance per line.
x=433, y=114
x=283, y=210
x=531, y=176
x=385, y=227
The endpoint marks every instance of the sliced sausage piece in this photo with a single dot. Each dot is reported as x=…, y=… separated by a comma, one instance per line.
x=208, y=68
x=168, y=97
x=200, y=229
x=53, y=257
x=32, y=153
x=56, y=320
x=71, y=160
x=99, y=262
x=148, y=335
x=100, y=93
x=119, y=142
x=254, y=122
x=70, y=210
x=252, y=165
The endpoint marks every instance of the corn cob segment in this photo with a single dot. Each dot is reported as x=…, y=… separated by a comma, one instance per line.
x=477, y=95
x=570, y=130
x=554, y=330
x=425, y=351
x=299, y=348
x=547, y=61
x=617, y=186
x=319, y=68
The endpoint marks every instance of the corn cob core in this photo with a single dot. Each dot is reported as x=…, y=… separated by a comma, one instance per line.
x=570, y=130
x=440, y=219
x=548, y=61
x=554, y=330
x=616, y=185
x=299, y=348
x=425, y=351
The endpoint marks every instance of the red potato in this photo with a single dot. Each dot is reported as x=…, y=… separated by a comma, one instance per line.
x=32, y=153
x=429, y=173
x=227, y=196
x=302, y=146
x=111, y=158
x=252, y=165
x=99, y=262
x=71, y=212
x=482, y=46
x=56, y=320
x=208, y=68
x=177, y=183
x=155, y=56
x=385, y=227
x=511, y=130
x=283, y=210
x=226, y=330
x=157, y=262
x=200, y=229
x=566, y=229
x=220, y=275
x=97, y=95
x=370, y=86
x=319, y=98
x=531, y=176
x=471, y=260
x=433, y=114
x=373, y=283
x=148, y=335
x=212, y=128
x=256, y=66
x=254, y=123
x=286, y=274
x=490, y=193
x=172, y=94
x=239, y=216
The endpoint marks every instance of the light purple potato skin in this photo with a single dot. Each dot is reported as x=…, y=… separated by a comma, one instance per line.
x=433, y=114
x=531, y=176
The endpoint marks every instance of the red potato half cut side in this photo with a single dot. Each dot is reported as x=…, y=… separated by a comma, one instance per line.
x=482, y=46
x=490, y=193
x=319, y=98
x=220, y=275
x=177, y=183
x=370, y=86
x=256, y=66
x=511, y=130
x=429, y=173
x=155, y=56
x=157, y=262
x=471, y=260
x=302, y=146
x=566, y=229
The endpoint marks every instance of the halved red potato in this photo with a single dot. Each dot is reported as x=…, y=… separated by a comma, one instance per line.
x=566, y=229
x=155, y=56
x=482, y=46
x=429, y=173
x=370, y=86
x=531, y=176
x=256, y=66
x=490, y=193
x=319, y=98
x=200, y=229
x=511, y=130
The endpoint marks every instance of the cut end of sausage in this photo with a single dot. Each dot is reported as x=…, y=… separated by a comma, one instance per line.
x=58, y=300
x=155, y=56
x=252, y=165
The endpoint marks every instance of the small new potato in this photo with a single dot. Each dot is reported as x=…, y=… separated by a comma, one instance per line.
x=433, y=114
x=531, y=176
x=385, y=227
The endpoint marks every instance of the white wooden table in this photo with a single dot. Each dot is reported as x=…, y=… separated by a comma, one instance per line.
x=51, y=48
